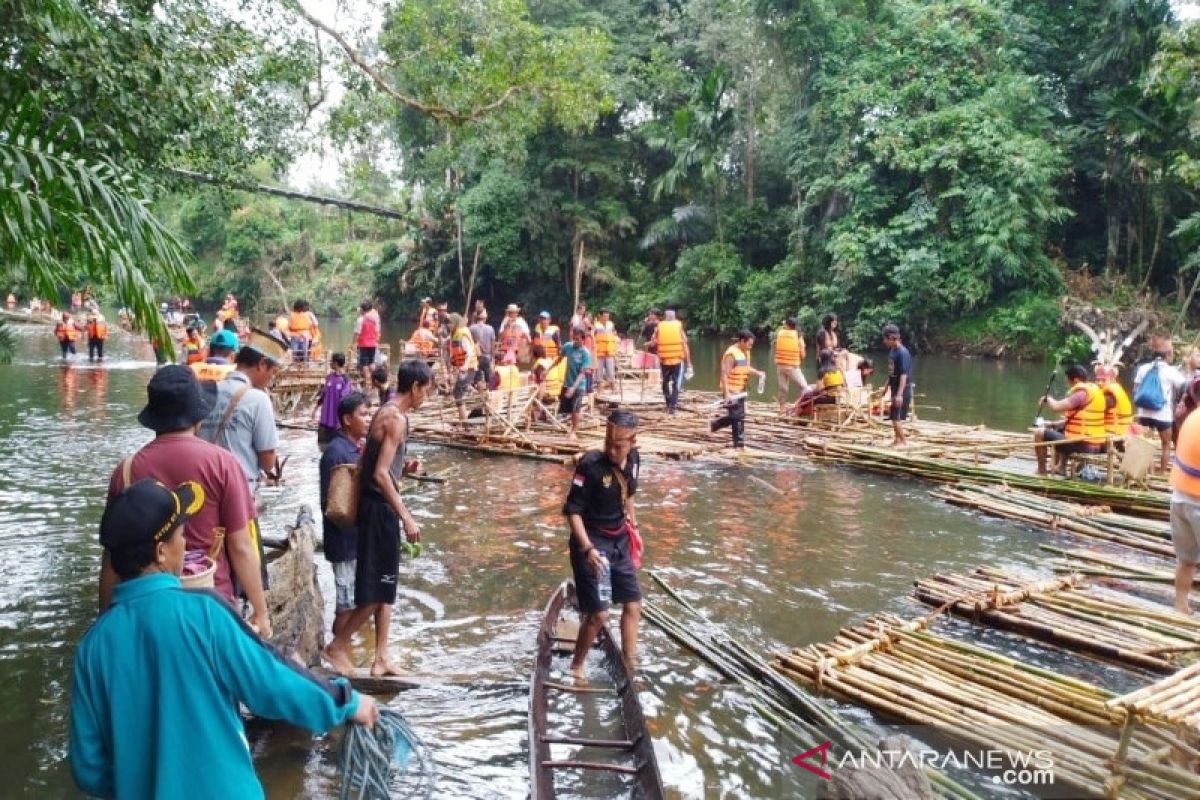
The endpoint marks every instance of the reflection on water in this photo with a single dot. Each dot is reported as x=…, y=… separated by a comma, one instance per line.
x=783, y=567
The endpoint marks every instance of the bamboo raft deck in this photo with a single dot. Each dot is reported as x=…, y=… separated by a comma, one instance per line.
x=906, y=672
x=1066, y=612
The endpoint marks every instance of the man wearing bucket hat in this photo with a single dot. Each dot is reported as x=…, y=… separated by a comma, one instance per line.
x=243, y=421
x=221, y=526
x=164, y=663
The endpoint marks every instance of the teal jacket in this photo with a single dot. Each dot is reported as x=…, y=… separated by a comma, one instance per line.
x=158, y=679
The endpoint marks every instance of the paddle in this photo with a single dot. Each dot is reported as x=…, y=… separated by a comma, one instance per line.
x=1038, y=421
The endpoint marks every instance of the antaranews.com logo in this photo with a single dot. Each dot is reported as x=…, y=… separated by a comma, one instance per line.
x=1006, y=767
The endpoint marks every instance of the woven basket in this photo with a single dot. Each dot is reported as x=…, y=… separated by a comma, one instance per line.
x=202, y=580
x=341, y=503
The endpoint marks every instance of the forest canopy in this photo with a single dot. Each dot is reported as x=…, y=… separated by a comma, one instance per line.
x=941, y=164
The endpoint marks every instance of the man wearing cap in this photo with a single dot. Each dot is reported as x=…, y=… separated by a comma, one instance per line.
x=219, y=363
x=243, y=421
x=221, y=526
x=427, y=317
x=159, y=677
x=789, y=355
x=900, y=390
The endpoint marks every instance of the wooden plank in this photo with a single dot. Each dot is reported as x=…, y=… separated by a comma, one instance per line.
x=624, y=770
x=560, y=738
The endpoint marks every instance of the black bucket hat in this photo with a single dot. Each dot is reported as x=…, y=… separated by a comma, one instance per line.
x=176, y=400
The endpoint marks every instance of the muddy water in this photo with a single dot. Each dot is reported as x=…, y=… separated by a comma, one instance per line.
x=782, y=567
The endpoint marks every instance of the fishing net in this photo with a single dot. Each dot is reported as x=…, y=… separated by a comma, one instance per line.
x=384, y=762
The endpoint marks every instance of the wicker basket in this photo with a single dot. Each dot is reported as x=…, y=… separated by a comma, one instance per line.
x=201, y=580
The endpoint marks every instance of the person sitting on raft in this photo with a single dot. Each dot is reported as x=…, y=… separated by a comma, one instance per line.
x=830, y=380
x=1082, y=426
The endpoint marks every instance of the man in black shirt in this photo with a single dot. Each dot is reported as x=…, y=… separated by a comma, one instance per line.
x=599, y=508
x=899, y=382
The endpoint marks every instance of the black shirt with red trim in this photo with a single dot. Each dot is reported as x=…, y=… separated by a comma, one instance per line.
x=595, y=492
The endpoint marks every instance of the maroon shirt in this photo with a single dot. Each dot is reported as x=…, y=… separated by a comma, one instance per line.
x=174, y=459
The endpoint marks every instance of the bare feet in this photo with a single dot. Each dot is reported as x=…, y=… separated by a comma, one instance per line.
x=339, y=659
x=577, y=673
x=382, y=668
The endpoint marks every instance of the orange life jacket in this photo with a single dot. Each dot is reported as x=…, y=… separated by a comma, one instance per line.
x=510, y=337
x=1185, y=471
x=740, y=373
x=193, y=351
x=670, y=342
x=97, y=330
x=606, y=339
x=66, y=332
x=1087, y=422
x=1118, y=418
x=211, y=373
x=462, y=349
x=300, y=324
x=424, y=342
x=787, y=347
x=545, y=337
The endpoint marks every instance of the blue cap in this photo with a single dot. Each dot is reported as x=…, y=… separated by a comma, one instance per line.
x=224, y=338
x=545, y=314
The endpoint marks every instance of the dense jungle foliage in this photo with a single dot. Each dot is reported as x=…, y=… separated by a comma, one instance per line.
x=938, y=163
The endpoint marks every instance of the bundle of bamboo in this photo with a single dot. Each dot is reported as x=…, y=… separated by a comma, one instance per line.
x=1065, y=613
x=793, y=711
x=1174, y=700
x=973, y=695
x=1093, y=521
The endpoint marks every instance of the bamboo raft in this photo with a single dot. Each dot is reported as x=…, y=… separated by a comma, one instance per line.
x=1065, y=612
x=900, y=669
x=1151, y=535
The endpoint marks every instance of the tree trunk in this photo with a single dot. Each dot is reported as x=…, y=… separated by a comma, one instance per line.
x=751, y=142
x=1112, y=203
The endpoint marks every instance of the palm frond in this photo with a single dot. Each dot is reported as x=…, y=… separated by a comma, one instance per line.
x=66, y=215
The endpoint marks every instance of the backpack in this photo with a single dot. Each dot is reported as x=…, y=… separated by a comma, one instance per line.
x=1149, y=394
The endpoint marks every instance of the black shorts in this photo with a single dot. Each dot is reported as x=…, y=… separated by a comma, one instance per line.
x=366, y=357
x=625, y=587
x=572, y=404
x=378, y=564
x=1057, y=435
x=1155, y=424
x=899, y=412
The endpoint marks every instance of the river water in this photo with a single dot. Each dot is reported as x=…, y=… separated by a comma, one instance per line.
x=783, y=568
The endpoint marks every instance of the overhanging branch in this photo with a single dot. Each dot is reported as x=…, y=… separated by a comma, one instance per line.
x=258, y=188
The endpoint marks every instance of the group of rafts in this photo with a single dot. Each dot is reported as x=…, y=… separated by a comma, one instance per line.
x=1105, y=595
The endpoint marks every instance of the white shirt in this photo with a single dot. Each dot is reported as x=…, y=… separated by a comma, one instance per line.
x=1172, y=385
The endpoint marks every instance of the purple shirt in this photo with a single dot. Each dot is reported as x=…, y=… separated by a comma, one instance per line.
x=336, y=387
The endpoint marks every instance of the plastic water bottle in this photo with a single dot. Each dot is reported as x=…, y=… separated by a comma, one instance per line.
x=605, y=582
x=762, y=383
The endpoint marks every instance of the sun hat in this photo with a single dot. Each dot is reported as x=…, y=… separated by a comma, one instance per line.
x=176, y=399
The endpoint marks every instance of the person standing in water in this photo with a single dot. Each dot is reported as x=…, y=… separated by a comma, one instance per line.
x=382, y=518
x=603, y=531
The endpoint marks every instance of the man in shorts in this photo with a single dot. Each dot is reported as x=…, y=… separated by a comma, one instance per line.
x=341, y=543
x=382, y=518
x=899, y=382
x=599, y=510
x=579, y=361
x=366, y=338
x=1185, y=510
